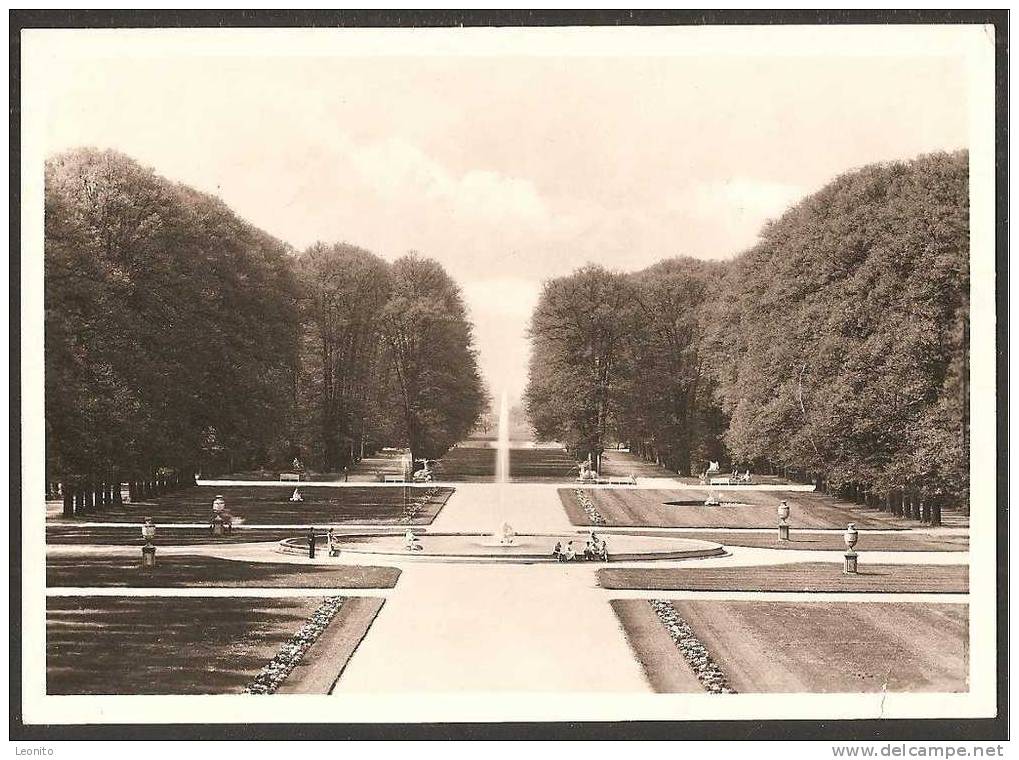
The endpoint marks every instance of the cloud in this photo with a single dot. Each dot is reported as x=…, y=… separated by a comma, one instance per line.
x=399, y=170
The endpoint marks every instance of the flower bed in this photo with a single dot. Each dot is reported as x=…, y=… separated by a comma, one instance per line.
x=708, y=672
x=587, y=504
x=416, y=506
x=272, y=675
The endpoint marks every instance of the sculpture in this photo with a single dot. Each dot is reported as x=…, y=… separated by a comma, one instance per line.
x=424, y=475
x=507, y=536
x=587, y=471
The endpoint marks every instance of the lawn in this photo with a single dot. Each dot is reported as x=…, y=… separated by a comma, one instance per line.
x=541, y=464
x=271, y=505
x=835, y=647
x=664, y=666
x=816, y=647
x=805, y=576
x=623, y=507
x=137, y=645
x=168, y=535
x=173, y=571
x=900, y=541
x=467, y=462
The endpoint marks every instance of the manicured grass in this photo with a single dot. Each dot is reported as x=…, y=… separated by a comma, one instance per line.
x=167, y=535
x=664, y=666
x=270, y=505
x=806, y=576
x=816, y=647
x=540, y=464
x=902, y=541
x=623, y=507
x=137, y=645
x=466, y=462
x=173, y=571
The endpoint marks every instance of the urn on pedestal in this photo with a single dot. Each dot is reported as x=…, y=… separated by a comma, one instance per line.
x=851, y=536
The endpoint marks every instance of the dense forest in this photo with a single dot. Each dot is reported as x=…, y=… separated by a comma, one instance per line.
x=180, y=338
x=835, y=350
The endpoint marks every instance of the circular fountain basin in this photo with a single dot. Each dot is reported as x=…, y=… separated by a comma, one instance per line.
x=526, y=548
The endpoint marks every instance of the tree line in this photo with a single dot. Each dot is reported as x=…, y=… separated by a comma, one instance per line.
x=180, y=338
x=834, y=350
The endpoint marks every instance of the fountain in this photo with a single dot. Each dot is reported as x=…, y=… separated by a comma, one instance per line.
x=502, y=444
x=504, y=544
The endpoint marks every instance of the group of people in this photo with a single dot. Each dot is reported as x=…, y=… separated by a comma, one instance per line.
x=594, y=548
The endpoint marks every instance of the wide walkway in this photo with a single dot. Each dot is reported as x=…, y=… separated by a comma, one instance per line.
x=483, y=628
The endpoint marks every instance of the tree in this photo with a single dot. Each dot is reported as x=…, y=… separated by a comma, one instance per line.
x=344, y=290
x=166, y=317
x=580, y=357
x=435, y=391
x=839, y=338
x=669, y=412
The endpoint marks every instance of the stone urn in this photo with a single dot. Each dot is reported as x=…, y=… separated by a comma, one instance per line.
x=148, y=530
x=783, y=521
x=852, y=560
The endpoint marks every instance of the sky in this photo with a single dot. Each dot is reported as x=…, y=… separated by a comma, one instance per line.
x=509, y=169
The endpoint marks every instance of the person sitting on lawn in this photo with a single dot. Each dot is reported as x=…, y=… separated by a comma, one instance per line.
x=603, y=551
x=589, y=549
x=557, y=551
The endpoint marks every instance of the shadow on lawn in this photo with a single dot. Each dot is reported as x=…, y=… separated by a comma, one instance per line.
x=209, y=571
x=269, y=504
x=164, y=646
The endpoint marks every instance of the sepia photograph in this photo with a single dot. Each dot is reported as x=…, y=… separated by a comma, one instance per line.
x=393, y=373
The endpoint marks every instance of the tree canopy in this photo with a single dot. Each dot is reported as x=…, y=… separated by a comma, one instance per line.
x=841, y=337
x=434, y=385
x=180, y=336
x=169, y=321
x=836, y=346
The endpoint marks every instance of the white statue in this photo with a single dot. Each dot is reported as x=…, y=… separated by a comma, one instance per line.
x=507, y=536
x=411, y=542
x=587, y=471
